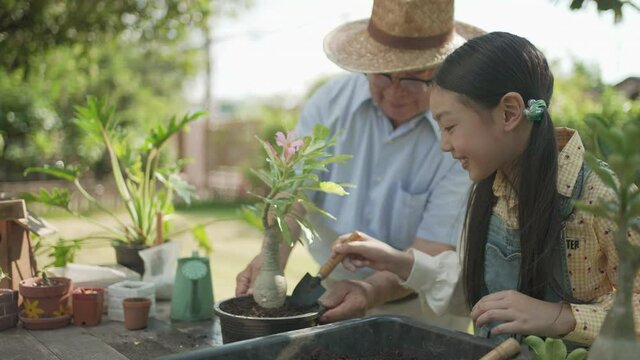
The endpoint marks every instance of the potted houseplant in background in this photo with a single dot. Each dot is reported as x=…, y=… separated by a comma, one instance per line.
x=292, y=171
x=8, y=305
x=145, y=187
x=46, y=302
x=618, y=145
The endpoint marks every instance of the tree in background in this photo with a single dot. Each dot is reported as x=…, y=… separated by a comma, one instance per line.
x=614, y=6
x=55, y=53
x=581, y=95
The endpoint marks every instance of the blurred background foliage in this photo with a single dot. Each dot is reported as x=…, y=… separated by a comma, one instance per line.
x=580, y=94
x=138, y=53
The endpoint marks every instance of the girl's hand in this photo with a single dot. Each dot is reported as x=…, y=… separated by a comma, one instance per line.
x=372, y=253
x=522, y=314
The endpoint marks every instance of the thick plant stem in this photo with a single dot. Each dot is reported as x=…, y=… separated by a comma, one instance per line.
x=617, y=338
x=270, y=288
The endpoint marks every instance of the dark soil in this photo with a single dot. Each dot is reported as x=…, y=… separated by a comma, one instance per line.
x=321, y=354
x=246, y=306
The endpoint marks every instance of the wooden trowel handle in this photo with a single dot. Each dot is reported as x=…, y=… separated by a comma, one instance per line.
x=506, y=350
x=331, y=264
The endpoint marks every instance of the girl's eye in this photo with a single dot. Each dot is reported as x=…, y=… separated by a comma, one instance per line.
x=449, y=128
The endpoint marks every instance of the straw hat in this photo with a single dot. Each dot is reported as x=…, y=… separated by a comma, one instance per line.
x=401, y=35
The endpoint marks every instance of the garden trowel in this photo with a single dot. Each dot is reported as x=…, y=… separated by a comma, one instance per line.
x=309, y=289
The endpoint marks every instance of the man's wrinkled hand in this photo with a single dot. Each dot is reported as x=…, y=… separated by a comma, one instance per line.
x=247, y=277
x=346, y=300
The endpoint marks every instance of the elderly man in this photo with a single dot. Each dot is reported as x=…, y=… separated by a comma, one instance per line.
x=408, y=193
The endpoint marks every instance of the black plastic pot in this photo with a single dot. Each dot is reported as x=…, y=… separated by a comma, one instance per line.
x=236, y=327
x=379, y=337
x=128, y=255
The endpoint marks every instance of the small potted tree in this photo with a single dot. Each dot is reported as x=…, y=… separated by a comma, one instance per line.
x=619, y=146
x=46, y=302
x=145, y=187
x=292, y=171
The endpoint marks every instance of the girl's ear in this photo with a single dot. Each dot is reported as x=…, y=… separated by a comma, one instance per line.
x=512, y=106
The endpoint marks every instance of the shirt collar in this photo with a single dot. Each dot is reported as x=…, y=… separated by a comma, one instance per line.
x=570, y=161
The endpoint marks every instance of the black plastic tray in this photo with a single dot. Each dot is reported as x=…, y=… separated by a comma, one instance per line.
x=367, y=338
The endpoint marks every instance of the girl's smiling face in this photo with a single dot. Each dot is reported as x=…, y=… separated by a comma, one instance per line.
x=480, y=139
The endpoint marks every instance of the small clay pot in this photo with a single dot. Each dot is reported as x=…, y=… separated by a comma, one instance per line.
x=136, y=312
x=87, y=306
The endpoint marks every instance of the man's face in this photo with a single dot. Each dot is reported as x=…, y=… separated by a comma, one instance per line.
x=402, y=95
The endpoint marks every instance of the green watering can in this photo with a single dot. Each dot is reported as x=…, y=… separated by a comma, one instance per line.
x=192, y=291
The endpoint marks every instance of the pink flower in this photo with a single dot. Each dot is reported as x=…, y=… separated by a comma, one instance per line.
x=288, y=143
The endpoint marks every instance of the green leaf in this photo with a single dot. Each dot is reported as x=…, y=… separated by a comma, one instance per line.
x=4, y=275
x=251, y=215
x=200, y=234
x=311, y=206
x=160, y=134
x=601, y=169
x=63, y=252
x=537, y=346
x=271, y=152
x=332, y=188
x=182, y=188
x=578, y=354
x=70, y=173
x=341, y=159
x=263, y=176
x=320, y=131
x=96, y=118
x=57, y=197
x=555, y=349
x=284, y=227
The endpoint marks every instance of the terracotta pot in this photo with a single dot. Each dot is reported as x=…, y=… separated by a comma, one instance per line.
x=8, y=308
x=45, y=307
x=136, y=312
x=87, y=306
x=48, y=323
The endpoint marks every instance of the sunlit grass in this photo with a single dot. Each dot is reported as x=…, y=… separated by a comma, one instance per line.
x=234, y=244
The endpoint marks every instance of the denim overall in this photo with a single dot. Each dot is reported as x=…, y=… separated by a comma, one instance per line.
x=503, y=255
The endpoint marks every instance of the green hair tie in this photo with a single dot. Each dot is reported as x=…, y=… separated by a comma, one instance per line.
x=535, y=109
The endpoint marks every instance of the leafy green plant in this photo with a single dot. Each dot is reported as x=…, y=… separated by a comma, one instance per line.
x=61, y=252
x=4, y=275
x=619, y=146
x=292, y=171
x=553, y=349
x=145, y=187
x=199, y=233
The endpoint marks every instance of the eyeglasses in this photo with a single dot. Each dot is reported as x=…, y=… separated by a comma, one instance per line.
x=410, y=85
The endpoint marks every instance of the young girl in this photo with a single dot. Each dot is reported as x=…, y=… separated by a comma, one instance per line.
x=532, y=264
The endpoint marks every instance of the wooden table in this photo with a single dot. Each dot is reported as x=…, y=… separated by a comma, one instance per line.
x=111, y=340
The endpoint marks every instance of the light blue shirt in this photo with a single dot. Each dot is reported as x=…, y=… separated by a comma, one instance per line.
x=405, y=186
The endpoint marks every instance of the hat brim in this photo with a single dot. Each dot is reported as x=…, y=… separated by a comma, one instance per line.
x=351, y=47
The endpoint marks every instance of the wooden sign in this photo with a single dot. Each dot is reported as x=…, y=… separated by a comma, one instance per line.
x=16, y=255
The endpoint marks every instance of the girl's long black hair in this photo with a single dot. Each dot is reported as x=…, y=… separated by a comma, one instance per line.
x=483, y=70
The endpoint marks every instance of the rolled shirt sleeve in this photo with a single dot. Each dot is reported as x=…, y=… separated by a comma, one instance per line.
x=436, y=281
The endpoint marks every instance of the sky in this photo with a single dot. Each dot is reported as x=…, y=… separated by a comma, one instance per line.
x=274, y=49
